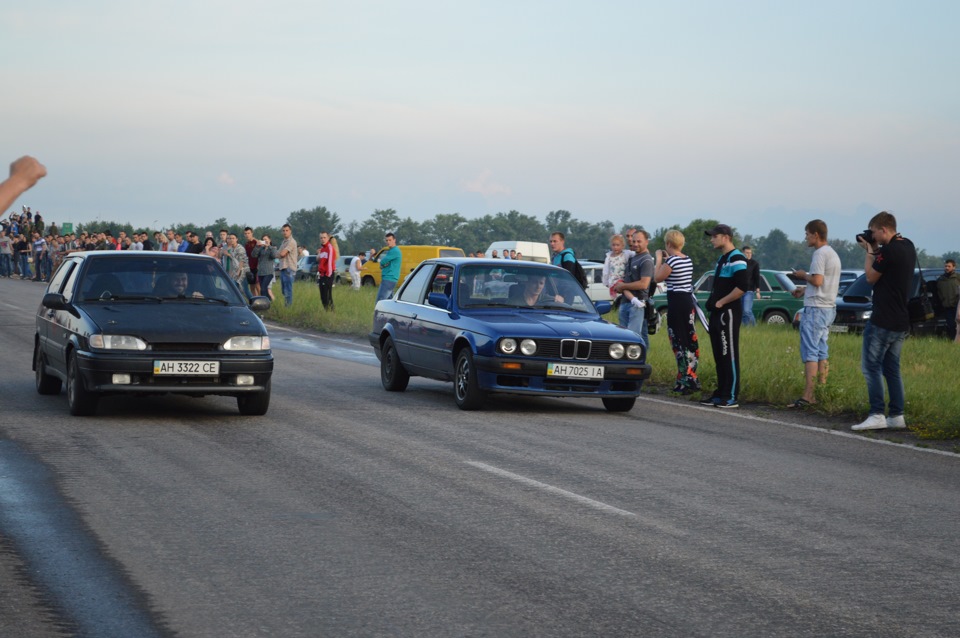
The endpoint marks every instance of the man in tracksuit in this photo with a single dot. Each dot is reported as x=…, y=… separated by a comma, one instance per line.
x=726, y=313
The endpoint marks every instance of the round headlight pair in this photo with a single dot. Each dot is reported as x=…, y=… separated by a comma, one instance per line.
x=633, y=351
x=509, y=346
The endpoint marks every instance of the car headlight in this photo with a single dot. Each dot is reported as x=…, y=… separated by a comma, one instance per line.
x=117, y=342
x=247, y=343
x=634, y=351
x=616, y=350
x=528, y=347
x=866, y=314
x=508, y=346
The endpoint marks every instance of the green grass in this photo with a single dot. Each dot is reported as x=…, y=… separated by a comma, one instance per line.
x=770, y=363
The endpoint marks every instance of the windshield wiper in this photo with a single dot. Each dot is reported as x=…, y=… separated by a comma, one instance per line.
x=112, y=297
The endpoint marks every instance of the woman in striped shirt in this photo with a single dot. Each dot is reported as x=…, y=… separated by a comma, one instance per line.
x=676, y=269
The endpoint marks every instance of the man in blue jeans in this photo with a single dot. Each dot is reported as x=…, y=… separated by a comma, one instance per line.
x=288, y=254
x=389, y=267
x=888, y=267
x=753, y=286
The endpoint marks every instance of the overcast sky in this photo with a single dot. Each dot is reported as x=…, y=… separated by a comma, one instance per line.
x=761, y=114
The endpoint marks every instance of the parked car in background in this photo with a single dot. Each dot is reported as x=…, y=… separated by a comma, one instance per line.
x=847, y=277
x=531, y=250
x=134, y=322
x=856, y=305
x=775, y=305
x=307, y=268
x=341, y=272
x=447, y=322
x=412, y=256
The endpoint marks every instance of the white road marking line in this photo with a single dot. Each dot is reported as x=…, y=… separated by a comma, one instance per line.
x=583, y=500
x=603, y=507
x=808, y=428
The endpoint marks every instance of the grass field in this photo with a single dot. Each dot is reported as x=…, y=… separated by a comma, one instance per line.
x=770, y=363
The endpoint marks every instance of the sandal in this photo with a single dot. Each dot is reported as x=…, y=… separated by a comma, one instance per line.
x=800, y=403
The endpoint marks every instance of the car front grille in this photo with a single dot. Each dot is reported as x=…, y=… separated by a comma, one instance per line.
x=580, y=349
x=185, y=347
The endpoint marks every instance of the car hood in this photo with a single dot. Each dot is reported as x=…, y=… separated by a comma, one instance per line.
x=555, y=325
x=180, y=321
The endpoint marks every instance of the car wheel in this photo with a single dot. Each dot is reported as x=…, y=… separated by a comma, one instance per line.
x=466, y=386
x=369, y=281
x=82, y=402
x=663, y=319
x=393, y=375
x=46, y=383
x=619, y=404
x=254, y=403
x=776, y=318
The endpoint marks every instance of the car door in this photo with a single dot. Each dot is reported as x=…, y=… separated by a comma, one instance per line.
x=59, y=324
x=404, y=309
x=433, y=329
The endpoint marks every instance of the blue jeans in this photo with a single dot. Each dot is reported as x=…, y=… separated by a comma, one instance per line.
x=881, y=361
x=638, y=324
x=5, y=265
x=814, y=331
x=286, y=285
x=624, y=315
x=386, y=287
x=25, y=265
x=747, y=300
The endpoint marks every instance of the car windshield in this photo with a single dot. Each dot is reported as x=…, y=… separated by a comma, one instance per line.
x=509, y=286
x=157, y=279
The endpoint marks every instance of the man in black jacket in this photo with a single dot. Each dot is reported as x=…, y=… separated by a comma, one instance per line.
x=888, y=266
x=753, y=286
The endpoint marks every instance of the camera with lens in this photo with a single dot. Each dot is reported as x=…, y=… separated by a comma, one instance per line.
x=866, y=236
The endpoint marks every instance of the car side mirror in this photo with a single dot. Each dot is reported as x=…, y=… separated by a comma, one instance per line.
x=439, y=300
x=261, y=304
x=603, y=307
x=54, y=301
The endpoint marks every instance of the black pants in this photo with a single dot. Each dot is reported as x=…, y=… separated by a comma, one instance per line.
x=326, y=292
x=725, y=339
x=682, y=329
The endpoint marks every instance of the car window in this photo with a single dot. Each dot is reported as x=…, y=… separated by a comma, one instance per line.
x=705, y=284
x=764, y=284
x=68, y=288
x=415, y=285
x=61, y=275
x=442, y=281
x=160, y=277
x=516, y=286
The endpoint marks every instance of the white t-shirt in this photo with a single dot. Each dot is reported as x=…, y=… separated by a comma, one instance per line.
x=825, y=262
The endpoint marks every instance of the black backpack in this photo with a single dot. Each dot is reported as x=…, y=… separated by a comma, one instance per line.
x=575, y=268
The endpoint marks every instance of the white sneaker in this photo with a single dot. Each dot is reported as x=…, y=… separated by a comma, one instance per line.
x=873, y=422
x=896, y=422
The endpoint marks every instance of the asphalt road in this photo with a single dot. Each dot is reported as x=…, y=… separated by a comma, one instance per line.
x=350, y=511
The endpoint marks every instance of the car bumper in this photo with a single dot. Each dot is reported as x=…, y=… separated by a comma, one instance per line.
x=514, y=375
x=98, y=372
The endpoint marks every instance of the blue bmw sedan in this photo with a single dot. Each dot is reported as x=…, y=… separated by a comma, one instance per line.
x=505, y=327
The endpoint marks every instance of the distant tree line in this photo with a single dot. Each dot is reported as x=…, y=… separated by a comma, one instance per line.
x=590, y=240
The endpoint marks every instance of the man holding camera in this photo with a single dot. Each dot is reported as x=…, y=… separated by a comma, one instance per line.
x=888, y=266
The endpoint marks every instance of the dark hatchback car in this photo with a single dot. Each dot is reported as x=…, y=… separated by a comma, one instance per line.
x=856, y=305
x=515, y=327
x=150, y=323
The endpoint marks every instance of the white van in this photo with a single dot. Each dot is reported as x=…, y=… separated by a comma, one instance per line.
x=531, y=251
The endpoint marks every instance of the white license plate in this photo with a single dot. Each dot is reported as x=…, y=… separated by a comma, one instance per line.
x=573, y=371
x=839, y=328
x=187, y=368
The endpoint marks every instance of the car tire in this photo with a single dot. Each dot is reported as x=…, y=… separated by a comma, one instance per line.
x=369, y=281
x=46, y=383
x=776, y=318
x=663, y=319
x=619, y=404
x=466, y=387
x=81, y=401
x=254, y=403
x=393, y=375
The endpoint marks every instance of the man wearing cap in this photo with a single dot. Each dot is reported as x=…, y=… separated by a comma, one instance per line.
x=726, y=313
